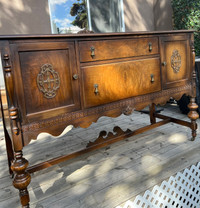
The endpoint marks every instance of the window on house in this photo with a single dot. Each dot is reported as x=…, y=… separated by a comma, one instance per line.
x=72, y=16
x=106, y=15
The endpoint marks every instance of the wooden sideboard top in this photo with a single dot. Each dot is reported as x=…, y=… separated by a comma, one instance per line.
x=28, y=36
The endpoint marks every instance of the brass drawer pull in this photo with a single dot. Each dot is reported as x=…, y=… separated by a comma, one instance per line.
x=152, y=78
x=96, y=90
x=150, y=47
x=75, y=76
x=92, y=51
x=164, y=63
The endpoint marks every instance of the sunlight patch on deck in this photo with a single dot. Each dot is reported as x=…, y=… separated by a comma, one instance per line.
x=105, y=167
x=177, y=138
x=81, y=173
x=147, y=162
x=65, y=131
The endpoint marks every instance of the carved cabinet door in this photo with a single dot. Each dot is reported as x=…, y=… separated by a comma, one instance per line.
x=46, y=80
x=175, y=61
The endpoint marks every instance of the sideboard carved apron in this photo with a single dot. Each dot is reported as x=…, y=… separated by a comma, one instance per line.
x=53, y=81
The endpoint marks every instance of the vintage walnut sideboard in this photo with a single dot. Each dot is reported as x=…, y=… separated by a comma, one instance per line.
x=53, y=81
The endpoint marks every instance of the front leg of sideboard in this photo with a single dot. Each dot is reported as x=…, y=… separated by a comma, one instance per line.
x=21, y=177
x=19, y=166
x=193, y=115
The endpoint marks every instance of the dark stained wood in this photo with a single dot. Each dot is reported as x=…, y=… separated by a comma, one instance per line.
x=152, y=109
x=9, y=147
x=193, y=115
x=57, y=80
x=85, y=117
x=174, y=120
x=22, y=178
x=107, y=35
x=10, y=153
x=29, y=60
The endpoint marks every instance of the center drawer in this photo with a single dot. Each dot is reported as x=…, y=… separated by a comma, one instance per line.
x=111, y=82
x=112, y=49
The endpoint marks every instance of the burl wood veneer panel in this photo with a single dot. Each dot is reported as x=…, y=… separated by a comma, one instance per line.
x=120, y=80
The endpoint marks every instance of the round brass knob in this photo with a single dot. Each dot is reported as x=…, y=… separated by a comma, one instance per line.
x=75, y=76
x=164, y=63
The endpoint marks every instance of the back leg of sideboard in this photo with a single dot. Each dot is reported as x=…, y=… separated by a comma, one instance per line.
x=152, y=109
x=9, y=149
x=193, y=115
x=22, y=178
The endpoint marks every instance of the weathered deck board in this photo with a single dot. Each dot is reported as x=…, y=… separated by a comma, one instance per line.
x=107, y=177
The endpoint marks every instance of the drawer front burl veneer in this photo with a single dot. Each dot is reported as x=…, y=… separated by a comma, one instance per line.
x=110, y=82
x=112, y=49
x=175, y=64
x=44, y=77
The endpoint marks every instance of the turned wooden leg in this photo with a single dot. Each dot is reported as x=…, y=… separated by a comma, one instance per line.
x=152, y=108
x=22, y=178
x=193, y=115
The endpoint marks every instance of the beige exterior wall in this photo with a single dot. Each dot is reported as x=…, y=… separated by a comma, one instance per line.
x=138, y=15
x=163, y=15
x=24, y=17
x=32, y=16
x=147, y=15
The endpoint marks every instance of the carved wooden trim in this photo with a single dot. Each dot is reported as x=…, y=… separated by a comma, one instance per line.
x=8, y=77
x=13, y=112
x=14, y=117
x=176, y=61
x=88, y=112
x=51, y=77
x=104, y=136
x=128, y=110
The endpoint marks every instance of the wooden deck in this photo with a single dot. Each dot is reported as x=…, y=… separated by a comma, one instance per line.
x=107, y=177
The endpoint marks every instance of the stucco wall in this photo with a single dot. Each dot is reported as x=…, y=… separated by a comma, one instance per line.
x=147, y=15
x=24, y=17
x=32, y=16
x=138, y=15
x=163, y=15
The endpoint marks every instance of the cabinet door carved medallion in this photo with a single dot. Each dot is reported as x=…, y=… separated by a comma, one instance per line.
x=176, y=61
x=48, y=81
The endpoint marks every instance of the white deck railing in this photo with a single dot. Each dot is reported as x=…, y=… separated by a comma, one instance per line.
x=181, y=191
